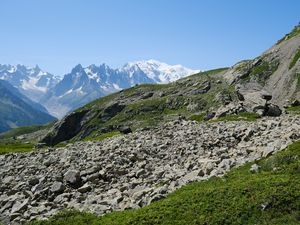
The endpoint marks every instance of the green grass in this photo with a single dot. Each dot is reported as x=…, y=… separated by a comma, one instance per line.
x=297, y=77
x=262, y=71
x=293, y=33
x=271, y=196
x=208, y=72
x=198, y=117
x=24, y=130
x=244, y=116
x=260, y=68
x=15, y=147
x=294, y=109
x=295, y=59
x=102, y=136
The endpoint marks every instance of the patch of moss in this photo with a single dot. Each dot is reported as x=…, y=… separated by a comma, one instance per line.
x=295, y=59
x=271, y=196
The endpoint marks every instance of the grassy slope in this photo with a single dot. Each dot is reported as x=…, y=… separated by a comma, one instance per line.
x=15, y=147
x=271, y=196
x=9, y=145
x=24, y=130
x=295, y=59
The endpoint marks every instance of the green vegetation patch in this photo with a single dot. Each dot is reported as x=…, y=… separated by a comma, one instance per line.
x=198, y=117
x=209, y=72
x=244, y=116
x=293, y=33
x=102, y=136
x=262, y=71
x=295, y=59
x=15, y=147
x=271, y=196
x=297, y=77
x=294, y=109
x=24, y=130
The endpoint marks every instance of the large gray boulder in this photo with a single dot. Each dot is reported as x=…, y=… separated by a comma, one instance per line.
x=258, y=100
x=273, y=110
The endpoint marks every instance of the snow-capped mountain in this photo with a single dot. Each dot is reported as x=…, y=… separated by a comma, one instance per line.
x=30, y=81
x=83, y=85
x=159, y=72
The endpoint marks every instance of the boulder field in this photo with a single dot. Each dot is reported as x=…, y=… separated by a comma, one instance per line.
x=133, y=170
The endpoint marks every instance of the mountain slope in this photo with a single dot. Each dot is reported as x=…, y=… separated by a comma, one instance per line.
x=17, y=110
x=276, y=71
x=31, y=82
x=83, y=85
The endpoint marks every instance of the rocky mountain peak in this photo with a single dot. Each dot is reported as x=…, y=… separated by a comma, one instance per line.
x=77, y=69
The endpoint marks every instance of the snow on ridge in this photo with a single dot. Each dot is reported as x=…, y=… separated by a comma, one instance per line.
x=159, y=71
x=30, y=84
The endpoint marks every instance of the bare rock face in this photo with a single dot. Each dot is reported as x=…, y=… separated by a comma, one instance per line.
x=255, y=99
x=128, y=171
x=230, y=109
x=65, y=129
x=112, y=110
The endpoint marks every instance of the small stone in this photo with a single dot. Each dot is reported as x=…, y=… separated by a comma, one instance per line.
x=85, y=188
x=18, y=206
x=93, y=177
x=125, y=130
x=72, y=177
x=8, y=180
x=156, y=198
x=140, y=172
x=33, y=181
x=254, y=168
x=57, y=187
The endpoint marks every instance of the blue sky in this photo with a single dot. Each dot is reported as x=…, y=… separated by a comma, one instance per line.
x=58, y=34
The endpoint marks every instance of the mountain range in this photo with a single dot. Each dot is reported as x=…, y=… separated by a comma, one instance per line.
x=82, y=85
x=30, y=81
x=18, y=110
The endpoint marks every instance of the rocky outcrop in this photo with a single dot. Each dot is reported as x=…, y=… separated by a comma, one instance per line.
x=65, y=129
x=111, y=110
x=133, y=170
